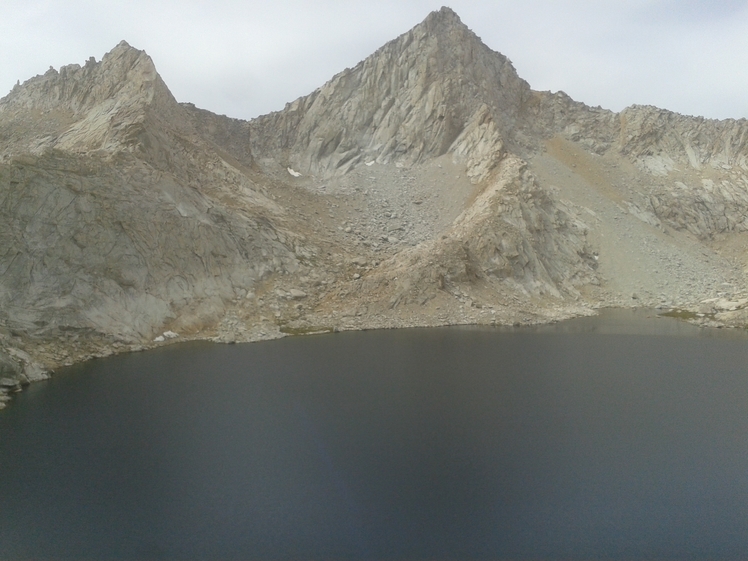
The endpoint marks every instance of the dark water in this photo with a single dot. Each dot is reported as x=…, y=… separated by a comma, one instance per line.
x=608, y=438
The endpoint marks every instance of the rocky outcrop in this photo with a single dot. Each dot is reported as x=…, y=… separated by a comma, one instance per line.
x=8, y=367
x=548, y=114
x=17, y=370
x=97, y=107
x=703, y=164
x=704, y=207
x=694, y=169
x=516, y=237
x=661, y=141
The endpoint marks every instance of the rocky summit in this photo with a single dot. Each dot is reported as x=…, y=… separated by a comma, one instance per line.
x=428, y=185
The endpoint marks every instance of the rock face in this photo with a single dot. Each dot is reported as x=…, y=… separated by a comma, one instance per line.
x=428, y=185
x=695, y=168
x=109, y=216
x=433, y=90
x=702, y=163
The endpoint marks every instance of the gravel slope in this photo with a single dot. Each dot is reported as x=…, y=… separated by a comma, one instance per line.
x=641, y=261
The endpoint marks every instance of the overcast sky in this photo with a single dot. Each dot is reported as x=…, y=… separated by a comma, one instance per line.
x=246, y=58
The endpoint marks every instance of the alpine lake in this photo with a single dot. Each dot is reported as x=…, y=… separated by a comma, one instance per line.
x=622, y=436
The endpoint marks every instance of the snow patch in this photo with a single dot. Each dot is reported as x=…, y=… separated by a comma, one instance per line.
x=166, y=335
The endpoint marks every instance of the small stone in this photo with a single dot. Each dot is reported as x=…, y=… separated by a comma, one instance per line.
x=356, y=276
x=297, y=294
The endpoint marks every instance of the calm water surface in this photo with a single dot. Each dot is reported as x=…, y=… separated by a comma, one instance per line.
x=618, y=437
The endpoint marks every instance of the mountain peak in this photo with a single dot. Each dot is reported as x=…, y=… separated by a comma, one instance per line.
x=409, y=101
x=446, y=25
x=444, y=15
x=77, y=87
x=86, y=107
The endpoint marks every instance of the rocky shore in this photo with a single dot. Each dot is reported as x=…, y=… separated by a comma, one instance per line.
x=41, y=358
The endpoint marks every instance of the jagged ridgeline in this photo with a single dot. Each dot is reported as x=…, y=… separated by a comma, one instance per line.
x=427, y=185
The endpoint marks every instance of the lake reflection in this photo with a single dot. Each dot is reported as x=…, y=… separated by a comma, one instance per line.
x=618, y=437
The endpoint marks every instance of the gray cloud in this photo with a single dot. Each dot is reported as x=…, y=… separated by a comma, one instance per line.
x=245, y=58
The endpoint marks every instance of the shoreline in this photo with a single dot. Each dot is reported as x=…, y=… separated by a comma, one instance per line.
x=39, y=360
